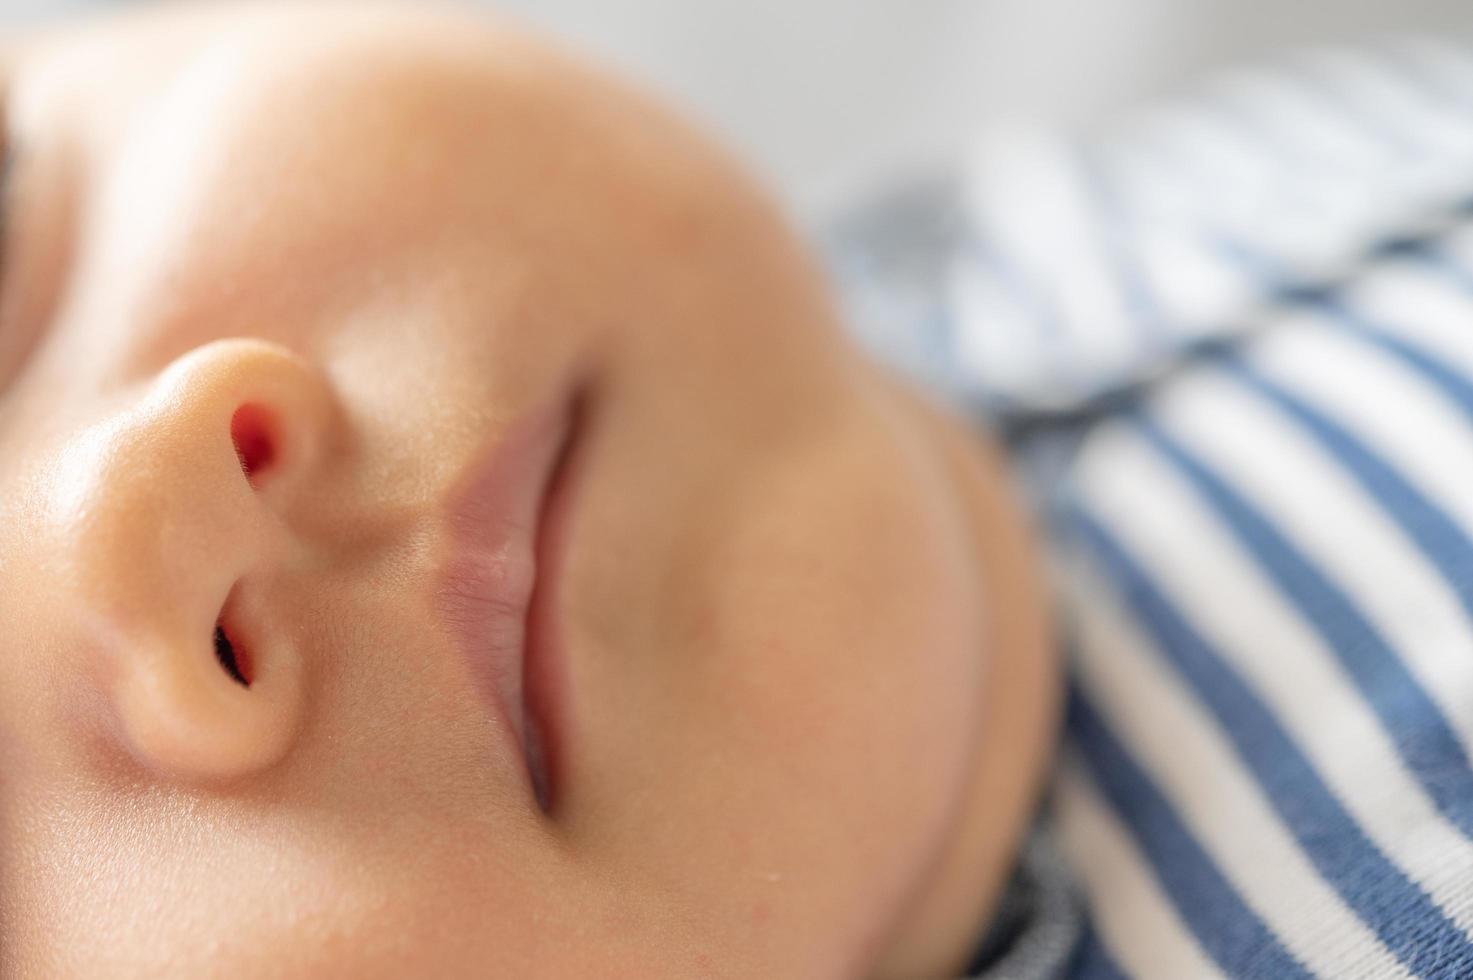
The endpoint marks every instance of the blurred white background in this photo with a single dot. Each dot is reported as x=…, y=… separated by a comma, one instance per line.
x=826, y=96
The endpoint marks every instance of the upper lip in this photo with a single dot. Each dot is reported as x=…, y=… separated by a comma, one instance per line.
x=487, y=584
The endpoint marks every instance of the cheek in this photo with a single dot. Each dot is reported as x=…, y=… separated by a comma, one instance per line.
x=852, y=647
x=784, y=738
x=164, y=885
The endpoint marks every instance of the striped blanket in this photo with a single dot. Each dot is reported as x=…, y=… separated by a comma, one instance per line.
x=1231, y=346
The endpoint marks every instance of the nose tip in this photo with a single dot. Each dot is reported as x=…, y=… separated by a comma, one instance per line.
x=274, y=405
x=177, y=518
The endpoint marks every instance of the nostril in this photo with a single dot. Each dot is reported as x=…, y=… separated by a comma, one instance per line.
x=235, y=660
x=251, y=429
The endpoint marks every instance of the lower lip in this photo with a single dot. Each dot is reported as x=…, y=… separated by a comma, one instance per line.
x=498, y=590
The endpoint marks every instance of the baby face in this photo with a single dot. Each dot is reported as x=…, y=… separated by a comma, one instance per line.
x=442, y=532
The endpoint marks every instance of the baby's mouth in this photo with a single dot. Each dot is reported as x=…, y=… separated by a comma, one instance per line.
x=495, y=572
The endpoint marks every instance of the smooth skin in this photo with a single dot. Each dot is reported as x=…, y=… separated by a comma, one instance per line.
x=806, y=667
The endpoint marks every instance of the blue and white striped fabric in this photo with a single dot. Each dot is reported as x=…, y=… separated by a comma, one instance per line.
x=1232, y=344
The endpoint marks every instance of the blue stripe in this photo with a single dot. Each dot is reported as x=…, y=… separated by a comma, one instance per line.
x=1391, y=905
x=1416, y=725
x=1436, y=534
x=1224, y=925
x=1437, y=259
x=1325, y=300
x=1092, y=961
x=1438, y=537
x=1414, y=721
x=1422, y=248
x=1450, y=382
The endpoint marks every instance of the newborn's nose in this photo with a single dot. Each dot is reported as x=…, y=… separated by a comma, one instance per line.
x=176, y=511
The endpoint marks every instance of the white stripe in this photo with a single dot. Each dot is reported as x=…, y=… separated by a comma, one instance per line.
x=1197, y=291
x=1221, y=158
x=1389, y=103
x=1199, y=294
x=1440, y=135
x=1189, y=173
x=1241, y=191
x=1448, y=66
x=1345, y=531
x=1028, y=194
x=1135, y=921
x=1447, y=121
x=999, y=339
x=1320, y=136
x=1307, y=222
x=1168, y=732
x=1220, y=588
x=1263, y=180
x=1156, y=186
